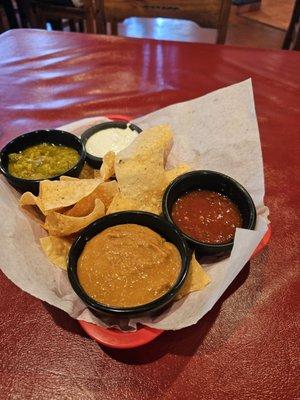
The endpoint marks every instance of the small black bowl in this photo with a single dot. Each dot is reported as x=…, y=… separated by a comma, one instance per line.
x=94, y=161
x=217, y=182
x=152, y=221
x=36, y=137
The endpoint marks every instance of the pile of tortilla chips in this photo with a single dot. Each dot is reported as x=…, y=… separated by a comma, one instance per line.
x=133, y=179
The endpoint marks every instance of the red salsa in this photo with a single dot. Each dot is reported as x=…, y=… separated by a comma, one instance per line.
x=207, y=216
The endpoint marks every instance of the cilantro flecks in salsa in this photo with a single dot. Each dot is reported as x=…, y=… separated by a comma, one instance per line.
x=42, y=161
x=207, y=216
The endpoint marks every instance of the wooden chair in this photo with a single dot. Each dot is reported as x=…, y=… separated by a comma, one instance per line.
x=292, y=37
x=206, y=13
x=90, y=14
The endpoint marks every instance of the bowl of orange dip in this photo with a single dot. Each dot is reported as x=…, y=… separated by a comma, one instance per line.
x=128, y=264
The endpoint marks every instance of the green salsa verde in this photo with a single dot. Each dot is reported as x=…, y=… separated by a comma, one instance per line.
x=42, y=161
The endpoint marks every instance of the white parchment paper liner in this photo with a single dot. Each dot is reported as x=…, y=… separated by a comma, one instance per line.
x=218, y=131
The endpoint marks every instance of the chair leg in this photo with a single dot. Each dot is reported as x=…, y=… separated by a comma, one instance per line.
x=10, y=13
x=22, y=13
x=289, y=34
x=223, y=21
x=114, y=27
x=81, y=25
x=72, y=25
x=90, y=22
x=100, y=26
x=2, y=27
x=30, y=14
x=101, y=23
x=100, y=17
x=90, y=25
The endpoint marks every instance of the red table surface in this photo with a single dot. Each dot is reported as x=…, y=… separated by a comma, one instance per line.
x=247, y=346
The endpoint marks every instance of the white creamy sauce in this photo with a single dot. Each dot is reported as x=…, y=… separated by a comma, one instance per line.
x=111, y=139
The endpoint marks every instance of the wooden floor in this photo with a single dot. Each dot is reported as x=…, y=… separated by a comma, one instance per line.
x=274, y=13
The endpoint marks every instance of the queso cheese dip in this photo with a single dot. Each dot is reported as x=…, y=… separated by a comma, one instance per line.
x=128, y=265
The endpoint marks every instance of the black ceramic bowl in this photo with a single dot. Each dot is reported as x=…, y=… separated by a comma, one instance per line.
x=94, y=161
x=36, y=137
x=152, y=221
x=214, y=181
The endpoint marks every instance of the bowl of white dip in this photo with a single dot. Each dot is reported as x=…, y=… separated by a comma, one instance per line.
x=108, y=136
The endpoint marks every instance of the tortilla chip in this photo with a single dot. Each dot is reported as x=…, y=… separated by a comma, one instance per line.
x=87, y=172
x=59, y=194
x=140, y=171
x=57, y=250
x=107, y=169
x=68, y=178
x=35, y=214
x=106, y=191
x=120, y=203
x=97, y=173
x=175, y=172
x=154, y=139
x=29, y=199
x=64, y=225
x=196, y=280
